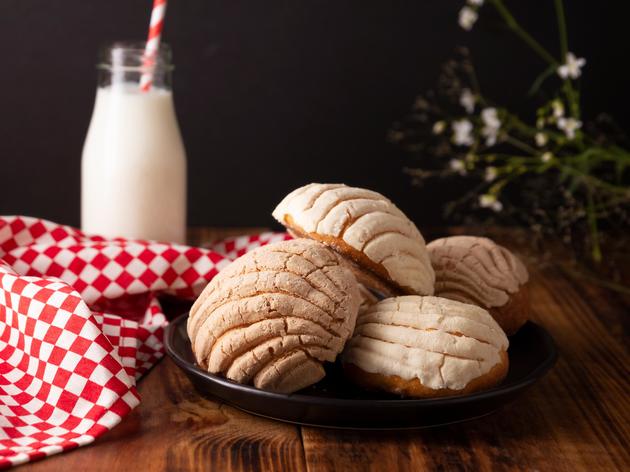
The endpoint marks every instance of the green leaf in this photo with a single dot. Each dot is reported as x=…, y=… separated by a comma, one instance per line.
x=540, y=79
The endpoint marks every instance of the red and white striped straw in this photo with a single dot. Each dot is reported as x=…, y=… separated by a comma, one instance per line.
x=153, y=43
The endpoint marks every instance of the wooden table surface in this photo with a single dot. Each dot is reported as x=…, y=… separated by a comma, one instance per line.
x=576, y=418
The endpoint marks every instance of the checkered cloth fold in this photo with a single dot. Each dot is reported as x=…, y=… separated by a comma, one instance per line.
x=80, y=323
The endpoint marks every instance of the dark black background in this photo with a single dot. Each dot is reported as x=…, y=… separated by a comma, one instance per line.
x=273, y=94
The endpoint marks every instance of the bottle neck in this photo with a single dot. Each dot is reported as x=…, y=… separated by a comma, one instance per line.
x=115, y=77
x=125, y=64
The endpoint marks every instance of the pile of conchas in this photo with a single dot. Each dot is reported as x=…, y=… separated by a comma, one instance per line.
x=438, y=326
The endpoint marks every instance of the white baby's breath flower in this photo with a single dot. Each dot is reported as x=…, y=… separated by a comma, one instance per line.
x=467, y=100
x=541, y=139
x=439, y=127
x=462, y=132
x=486, y=200
x=491, y=127
x=490, y=201
x=558, y=108
x=546, y=156
x=467, y=18
x=476, y=3
x=457, y=165
x=490, y=117
x=572, y=66
x=490, y=134
x=569, y=126
x=491, y=174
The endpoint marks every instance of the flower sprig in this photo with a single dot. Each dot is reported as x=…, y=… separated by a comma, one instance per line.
x=476, y=138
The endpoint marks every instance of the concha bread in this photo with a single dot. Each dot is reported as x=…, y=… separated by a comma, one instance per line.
x=426, y=347
x=477, y=270
x=274, y=315
x=366, y=227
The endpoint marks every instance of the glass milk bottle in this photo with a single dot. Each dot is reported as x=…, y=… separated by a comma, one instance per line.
x=133, y=172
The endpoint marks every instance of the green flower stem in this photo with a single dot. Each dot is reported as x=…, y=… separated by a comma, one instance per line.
x=517, y=143
x=622, y=153
x=520, y=32
x=596, y=250
x=570, y=92
x=454, y=204
x=529, y=131
x=493, y=157
x=516, y=123
x=562, y=28
x=590, y=181
x=572, y=98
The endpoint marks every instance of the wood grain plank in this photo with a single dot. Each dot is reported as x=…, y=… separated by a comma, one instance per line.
x=592, y=375
x=174, y=428
x=610, y=307
x=517, y=437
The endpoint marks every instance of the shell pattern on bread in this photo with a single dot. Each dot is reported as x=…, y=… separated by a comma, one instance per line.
x=477, y=270
x=426, y=346
x=366, y=227
x=274, y=315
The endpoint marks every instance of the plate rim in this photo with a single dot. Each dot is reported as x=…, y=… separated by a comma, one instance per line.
x=498, y=390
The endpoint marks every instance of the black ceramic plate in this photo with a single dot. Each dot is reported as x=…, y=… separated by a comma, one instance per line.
x=334, y=402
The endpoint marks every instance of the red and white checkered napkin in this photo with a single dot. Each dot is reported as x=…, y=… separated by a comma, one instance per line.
x=80, y=322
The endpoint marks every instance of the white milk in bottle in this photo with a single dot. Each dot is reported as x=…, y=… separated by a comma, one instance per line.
x=133, y=176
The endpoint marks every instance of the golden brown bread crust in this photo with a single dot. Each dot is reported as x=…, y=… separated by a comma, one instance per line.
x=274, y=315
x=384, y=241
x=366, y=271
x=511, y=316
x=414, y=388
x=477, y=270
x=514, y=313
